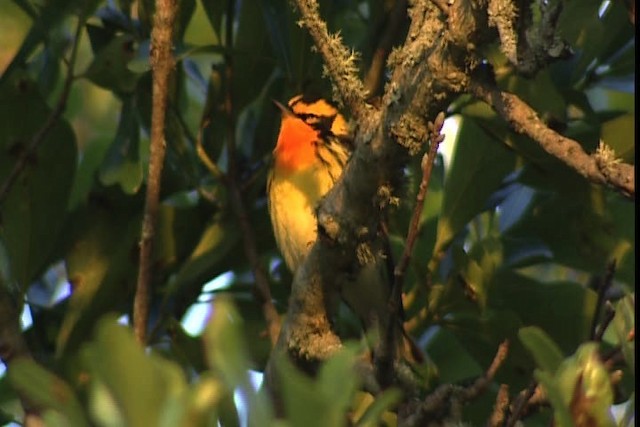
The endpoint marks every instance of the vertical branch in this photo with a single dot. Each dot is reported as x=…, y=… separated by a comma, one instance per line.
x=395, y=304
x=162, y=64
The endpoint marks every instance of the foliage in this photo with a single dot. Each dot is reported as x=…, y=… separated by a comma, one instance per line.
x=512, y=243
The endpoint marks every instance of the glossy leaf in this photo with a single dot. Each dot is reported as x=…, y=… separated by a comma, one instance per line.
x=547, y=355
x=563, y=309
x=127, y=372
x=227, y=355
x=478, y=167
x=36, y=204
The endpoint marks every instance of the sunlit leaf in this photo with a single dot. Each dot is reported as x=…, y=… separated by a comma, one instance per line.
x=100, y=267
x=619, y=134
x=478, y=167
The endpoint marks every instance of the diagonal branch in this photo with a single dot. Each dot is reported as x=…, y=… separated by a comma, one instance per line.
x=599, y=168
x=340, y=62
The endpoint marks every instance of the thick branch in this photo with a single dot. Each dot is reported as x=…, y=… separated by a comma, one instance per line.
x=524, y=120
x=162, y=64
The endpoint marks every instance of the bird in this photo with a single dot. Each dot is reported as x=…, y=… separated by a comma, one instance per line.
x=311, y=152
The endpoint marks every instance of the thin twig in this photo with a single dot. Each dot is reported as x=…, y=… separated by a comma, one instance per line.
x=388, y=346
x=52, y=120
x=232, y=180
x=444, y=399
x=162, y=64
x=211, y=166
x=607, y=317
x=521, y=403
x=524, y=120
x=604, y=284
x=427, y=166
x=481, y=383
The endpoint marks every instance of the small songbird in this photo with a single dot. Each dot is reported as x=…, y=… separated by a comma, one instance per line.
x=312, y=150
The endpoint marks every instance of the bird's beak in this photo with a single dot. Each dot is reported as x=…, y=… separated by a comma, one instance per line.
x=285, y=110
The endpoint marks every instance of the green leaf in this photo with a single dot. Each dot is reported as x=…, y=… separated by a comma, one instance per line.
x=383, y=403
x=563, y=309
x=619, y=134
x=336, y=379
x=546, y=353
x=228, y=357
x=624, y=326
x=36, y=205
x=122, y=164
x=303, y=401
x=47, y=391
x=199, y=30
x=196, y=407
x=100, y=267
x=478, y=167
x=562, y=416
x=140, y=384
x=591, y=392
x=216, y=241
x=214, y=11
x=454, y=362
x=251, y=70
x=109, y=68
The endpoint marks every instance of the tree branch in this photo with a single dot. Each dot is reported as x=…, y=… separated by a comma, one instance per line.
x=388, y=345
x=162, y=64
x=339, y=62
x=442, y=403
x=500, y=407
x=528, y=44
x=599, y=168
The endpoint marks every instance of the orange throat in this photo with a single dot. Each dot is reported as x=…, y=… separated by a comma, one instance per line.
x=296, y=145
